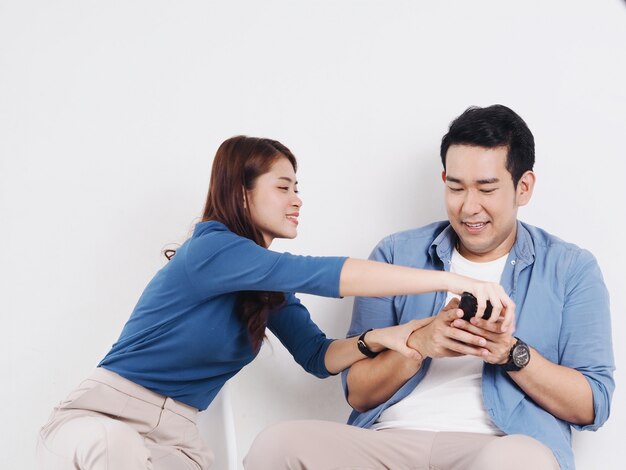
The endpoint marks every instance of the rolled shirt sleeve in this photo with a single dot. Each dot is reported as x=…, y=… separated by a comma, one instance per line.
x=585, y=342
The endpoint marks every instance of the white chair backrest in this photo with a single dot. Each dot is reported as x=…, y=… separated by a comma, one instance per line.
x=217, y=427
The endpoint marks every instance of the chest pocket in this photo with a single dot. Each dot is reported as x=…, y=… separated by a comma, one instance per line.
x=539, y=320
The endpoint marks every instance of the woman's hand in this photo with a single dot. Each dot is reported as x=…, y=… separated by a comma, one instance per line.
x=396, y=337
x=503, y=306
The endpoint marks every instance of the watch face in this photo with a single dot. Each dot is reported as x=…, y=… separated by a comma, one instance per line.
x=521, y=355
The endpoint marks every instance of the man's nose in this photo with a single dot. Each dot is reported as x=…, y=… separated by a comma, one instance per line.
x=471, y=203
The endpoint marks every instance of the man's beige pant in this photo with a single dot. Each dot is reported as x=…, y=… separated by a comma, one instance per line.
x=322, y=445
x=110, y=423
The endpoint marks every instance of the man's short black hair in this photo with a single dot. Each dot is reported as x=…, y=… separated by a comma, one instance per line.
x=491, y=127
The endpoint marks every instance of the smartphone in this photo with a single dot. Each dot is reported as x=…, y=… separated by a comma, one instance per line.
x=469, y=305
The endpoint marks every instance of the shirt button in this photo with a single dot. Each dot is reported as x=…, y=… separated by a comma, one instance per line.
x=513, y=262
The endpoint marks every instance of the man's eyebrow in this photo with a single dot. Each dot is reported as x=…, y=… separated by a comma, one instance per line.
x=488, y=181
x=452, y=179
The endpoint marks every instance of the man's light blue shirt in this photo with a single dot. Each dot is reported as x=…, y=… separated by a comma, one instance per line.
x=562, y=311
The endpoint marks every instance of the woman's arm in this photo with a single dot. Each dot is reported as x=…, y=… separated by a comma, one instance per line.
x=342, y=353
x=375, y=279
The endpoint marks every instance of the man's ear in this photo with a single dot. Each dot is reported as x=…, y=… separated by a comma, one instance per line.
x=525, y=187
x=443, y=176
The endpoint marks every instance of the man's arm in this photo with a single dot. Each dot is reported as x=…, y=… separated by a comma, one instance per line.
x=372, y=382
x=578, y=389
x=561, y=391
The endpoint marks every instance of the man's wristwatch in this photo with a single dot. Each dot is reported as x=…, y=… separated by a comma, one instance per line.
x=363, y=345
x=519, y=356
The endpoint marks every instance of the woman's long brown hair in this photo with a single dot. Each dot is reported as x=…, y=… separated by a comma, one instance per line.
x=238, y=163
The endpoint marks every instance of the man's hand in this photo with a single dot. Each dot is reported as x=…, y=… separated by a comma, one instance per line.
x=440, y=339
x=498, y=344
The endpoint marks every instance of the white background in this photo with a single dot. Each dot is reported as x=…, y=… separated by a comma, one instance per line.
x=111, y=112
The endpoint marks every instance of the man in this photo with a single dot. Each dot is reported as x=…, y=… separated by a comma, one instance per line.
x=483, y=396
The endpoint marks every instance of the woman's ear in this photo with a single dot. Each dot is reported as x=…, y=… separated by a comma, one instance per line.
x=525, y=187
x=244, y=193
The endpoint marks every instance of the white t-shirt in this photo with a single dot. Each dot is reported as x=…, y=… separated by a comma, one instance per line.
x=449, y=397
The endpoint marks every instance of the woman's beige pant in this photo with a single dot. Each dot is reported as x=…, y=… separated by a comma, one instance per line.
x=110, y=423
x=322, y=445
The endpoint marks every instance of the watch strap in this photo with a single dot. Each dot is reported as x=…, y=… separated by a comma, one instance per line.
x=362, y=345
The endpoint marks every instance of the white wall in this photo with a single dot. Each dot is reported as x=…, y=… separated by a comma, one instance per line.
x=111, y=111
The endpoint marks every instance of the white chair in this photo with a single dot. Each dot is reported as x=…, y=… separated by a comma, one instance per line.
x=217, y=426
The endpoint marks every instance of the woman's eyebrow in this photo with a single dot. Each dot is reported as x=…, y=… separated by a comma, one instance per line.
x=286, y=178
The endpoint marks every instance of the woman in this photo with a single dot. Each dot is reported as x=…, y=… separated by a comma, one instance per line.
x=203, y=317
